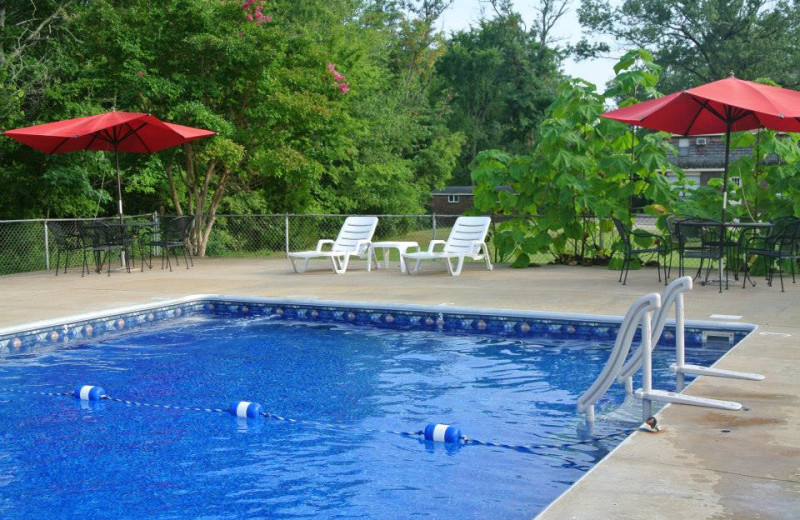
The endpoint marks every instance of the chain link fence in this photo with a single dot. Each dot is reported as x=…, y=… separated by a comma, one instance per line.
x=30, y=245
x=268, y=235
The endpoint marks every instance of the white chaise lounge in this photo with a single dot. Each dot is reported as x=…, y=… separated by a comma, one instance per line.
x=466, y=240
x=354, y=240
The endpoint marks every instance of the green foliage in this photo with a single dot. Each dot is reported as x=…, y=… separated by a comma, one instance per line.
x=582, y=168
x=702, y=41
x=770, y=178
x=499, y=80
x=292, y=137
x=363, y=107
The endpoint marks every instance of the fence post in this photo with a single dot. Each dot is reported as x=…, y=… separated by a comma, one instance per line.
x=600, y=227
x=286, y=233
x=156, y=233
x=433, y=221
x=46, y=248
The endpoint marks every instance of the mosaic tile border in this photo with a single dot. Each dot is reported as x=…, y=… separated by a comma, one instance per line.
x=474, y=322
x=405, y=317
x=93, y=328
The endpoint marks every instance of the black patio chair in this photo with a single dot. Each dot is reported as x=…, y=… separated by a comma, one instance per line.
x=780, y=245
x=671, y=243
x=67, y=240
x=630, y=239
x=174, y=236
x=760, y=239
x=702, y=240
x=101, y=240
x=120, y=235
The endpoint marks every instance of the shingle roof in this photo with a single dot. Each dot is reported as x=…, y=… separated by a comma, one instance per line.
x=453, y=190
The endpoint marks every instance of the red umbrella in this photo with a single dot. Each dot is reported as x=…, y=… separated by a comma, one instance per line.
x=112, y=131
x=725, y=106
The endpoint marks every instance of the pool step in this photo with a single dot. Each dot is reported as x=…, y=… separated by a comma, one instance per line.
x=698, y=370
x=665, y=396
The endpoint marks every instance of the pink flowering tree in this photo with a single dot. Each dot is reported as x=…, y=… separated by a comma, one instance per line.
x=255, y=12
x=343, y=86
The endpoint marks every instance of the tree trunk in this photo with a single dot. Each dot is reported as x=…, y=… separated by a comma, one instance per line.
x=198, y=191
x=175, y=199
x=212, y=212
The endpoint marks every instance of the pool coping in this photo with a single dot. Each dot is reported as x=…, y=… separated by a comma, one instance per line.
x=110, y=320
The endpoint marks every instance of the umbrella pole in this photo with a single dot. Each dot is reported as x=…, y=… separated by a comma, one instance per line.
x=725, y=171
x=119, y=188
x=630, y=176
x=722, y=229
x=123, y=260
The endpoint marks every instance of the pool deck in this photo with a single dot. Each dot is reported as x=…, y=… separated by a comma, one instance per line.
x=705, y=464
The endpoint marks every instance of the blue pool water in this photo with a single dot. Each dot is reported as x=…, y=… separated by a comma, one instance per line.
x=62, y=458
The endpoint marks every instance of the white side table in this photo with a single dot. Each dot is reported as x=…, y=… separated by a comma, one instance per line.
x=402, y=247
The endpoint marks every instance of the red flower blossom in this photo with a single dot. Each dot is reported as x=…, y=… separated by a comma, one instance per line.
x=257, y=15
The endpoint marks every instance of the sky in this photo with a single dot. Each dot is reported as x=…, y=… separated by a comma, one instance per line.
x=464, y=13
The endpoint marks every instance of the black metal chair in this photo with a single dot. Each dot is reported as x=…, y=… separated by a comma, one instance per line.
x=136, y=235
x=67, y=240
x=628, y=238
x=671, y=243
x=101, y=240
x=119, y=235
x=701, y=240
x=780, y=245
x=174, y=236
x=760, y=239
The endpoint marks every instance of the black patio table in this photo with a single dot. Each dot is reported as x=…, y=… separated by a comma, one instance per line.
x=127, y=236
x=714, y=241
x=101, y=240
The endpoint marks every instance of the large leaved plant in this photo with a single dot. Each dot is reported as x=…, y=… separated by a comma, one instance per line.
x=581, y=170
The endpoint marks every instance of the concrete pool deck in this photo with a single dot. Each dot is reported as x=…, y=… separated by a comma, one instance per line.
x=705, y=464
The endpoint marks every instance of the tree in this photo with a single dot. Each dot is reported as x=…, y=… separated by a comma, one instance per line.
x=706, y=40
x=25, y=30
x=31, y=183
x=498, y=79
x=418, y=44
x=145, y=59
x=312, y=112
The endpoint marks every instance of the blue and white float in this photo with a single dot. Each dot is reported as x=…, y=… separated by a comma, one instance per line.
x=442, y=433
x=89, y=393
x=245, y=409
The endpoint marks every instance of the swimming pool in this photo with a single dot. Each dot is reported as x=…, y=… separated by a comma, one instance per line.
x=351, y=376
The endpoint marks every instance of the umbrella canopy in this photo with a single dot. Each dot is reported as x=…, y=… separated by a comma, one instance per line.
x=113, y=131
x=720, y=107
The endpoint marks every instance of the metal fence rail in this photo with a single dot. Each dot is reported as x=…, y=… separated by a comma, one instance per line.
x=27, y=245
x=242, y=235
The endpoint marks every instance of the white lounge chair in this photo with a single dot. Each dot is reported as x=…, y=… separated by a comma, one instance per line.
x=354, y=240
x=467, y=239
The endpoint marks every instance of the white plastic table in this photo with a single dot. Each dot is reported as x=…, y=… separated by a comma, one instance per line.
x=402, y=247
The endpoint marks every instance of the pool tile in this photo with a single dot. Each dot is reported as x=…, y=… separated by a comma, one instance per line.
x=400, y=319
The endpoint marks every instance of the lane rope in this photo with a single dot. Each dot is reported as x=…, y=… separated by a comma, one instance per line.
x=526, y=448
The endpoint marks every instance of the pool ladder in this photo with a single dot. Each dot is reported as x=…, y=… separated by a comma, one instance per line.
x=651, y=311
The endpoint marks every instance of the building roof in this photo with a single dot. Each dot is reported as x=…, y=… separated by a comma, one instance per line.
x=453, y=190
